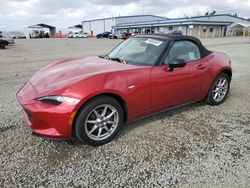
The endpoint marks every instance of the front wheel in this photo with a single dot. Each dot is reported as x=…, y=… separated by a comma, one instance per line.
x=218, y=90
x=99, y=121
x=3, y=46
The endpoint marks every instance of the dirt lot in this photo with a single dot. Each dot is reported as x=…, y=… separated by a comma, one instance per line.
x=193, y=146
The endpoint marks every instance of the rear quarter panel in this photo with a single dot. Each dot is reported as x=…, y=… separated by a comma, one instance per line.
x=219, y=62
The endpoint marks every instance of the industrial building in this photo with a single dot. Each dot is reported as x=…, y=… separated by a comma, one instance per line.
x=40, y=29
x=211, y=25
x=97, y=26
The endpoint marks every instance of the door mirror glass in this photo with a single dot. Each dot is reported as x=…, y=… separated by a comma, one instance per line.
x=176, y=63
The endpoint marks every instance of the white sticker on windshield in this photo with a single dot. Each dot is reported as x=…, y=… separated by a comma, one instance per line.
x=154, y=42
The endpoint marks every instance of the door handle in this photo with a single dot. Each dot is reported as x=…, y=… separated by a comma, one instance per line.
x=200, y=66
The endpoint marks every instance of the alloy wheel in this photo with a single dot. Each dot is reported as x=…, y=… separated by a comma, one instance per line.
x=220, y=89
x=101, y=122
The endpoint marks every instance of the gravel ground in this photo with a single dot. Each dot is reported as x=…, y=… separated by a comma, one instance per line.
x=193, y=146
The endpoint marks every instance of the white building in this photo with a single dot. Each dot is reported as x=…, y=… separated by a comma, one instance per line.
x=97, y=26
x=216, y=25
x=199, y=26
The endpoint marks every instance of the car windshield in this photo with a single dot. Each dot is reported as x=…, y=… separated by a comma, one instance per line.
x=138, y=51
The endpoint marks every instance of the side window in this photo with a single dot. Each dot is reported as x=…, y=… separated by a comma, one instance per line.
x=183, y=50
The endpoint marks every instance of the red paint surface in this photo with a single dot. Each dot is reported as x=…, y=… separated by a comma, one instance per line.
x=155, y=88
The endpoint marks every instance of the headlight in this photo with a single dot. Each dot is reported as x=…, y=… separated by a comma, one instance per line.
x=56, y=100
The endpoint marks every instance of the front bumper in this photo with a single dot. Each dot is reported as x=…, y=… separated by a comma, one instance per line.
x=46, y=120
x=11, y=42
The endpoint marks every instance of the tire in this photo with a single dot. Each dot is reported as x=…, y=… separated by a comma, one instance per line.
x=100, y=130
x=211, y=98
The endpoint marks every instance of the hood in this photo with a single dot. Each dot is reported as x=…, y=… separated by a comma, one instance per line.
x=67, y=72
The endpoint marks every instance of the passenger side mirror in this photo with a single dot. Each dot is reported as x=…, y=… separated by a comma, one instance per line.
x=176, y=63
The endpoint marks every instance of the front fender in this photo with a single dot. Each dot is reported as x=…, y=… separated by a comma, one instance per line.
x=137, y=98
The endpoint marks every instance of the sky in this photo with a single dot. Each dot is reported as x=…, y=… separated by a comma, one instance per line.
x=19, y=14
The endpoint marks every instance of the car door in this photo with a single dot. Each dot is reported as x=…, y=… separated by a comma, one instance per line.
x=182, y=85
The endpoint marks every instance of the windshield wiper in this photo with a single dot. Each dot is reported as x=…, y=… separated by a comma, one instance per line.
x=118, y=59
x=104, y=56
x=113, y=59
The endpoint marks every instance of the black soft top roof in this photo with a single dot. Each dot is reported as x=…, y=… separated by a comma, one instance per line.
x=174, y=37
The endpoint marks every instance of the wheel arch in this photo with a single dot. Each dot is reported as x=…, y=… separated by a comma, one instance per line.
x=6, y=42
x=227, y=72
x=117, y=97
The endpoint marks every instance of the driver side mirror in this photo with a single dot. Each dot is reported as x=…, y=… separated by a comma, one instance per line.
x=176, y=63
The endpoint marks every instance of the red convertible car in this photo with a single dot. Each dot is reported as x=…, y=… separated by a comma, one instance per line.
x=90, y=98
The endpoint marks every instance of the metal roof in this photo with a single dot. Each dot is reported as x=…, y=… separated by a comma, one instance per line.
x=209, y=16
x=79, y=26
x=42, y=25
x=52, y=29
x=245, y=25
x=132, y=16
x=170, y=22
x=180, y=21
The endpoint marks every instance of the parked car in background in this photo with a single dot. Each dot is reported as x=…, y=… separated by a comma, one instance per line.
x=85, y=35
x=177, y=32
x=120, y=35
x=90, y=98
x=117, y=35
x=8, y=39
x=21, y=37
x=136, y=33
x=78, y=35
x=127, y=35
x=103, y=35
x=3, y=43
x=75, y=35
x=113, y=36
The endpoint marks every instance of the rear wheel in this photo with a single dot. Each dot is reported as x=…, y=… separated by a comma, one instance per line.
x=99, y=121
x=218, y=90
